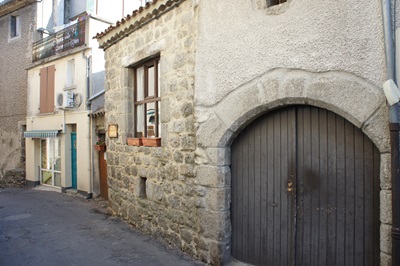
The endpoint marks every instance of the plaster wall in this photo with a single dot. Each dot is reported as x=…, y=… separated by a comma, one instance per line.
x=317, y=36
x=60, y=81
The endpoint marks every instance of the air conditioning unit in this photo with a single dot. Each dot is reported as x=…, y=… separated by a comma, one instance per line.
x=66, y=100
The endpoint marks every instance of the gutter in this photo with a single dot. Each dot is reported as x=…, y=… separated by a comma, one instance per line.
x=88, y=58
x=394, y=127
x=97, y=95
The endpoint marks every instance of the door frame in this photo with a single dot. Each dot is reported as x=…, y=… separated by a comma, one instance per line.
x=50, y=142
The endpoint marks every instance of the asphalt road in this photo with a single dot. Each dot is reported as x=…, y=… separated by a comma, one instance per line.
x=52, y=228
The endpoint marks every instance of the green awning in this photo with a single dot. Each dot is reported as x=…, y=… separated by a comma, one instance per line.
x=41, y=134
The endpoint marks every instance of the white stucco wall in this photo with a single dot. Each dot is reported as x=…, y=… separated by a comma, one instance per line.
x=60, y=81
x=312, y=35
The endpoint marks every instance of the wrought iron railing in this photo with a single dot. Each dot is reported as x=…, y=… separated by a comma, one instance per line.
x=63, y=40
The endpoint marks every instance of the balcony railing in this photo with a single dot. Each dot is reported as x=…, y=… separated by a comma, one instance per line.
x=61, y=41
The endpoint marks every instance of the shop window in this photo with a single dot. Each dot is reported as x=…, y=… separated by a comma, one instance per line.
x=47, y=75
x=147, y=100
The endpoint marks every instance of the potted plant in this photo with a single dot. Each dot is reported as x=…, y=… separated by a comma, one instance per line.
x=134, y=141
x=151, y=142
x=100, y=145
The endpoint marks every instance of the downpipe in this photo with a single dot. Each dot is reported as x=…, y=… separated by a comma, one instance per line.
x=394, y=128
x=88, y=103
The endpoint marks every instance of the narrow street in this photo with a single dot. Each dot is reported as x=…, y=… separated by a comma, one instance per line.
x=51, y=228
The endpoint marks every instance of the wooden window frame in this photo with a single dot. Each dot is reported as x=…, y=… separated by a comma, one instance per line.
x=156, y=99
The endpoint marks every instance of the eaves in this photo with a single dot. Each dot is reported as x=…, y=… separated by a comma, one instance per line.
x=9, y=6
x=137, y=20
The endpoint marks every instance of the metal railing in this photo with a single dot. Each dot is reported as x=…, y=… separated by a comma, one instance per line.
x=61, y=41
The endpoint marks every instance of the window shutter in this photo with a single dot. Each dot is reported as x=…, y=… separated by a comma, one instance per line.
x=50, y=87
x=43, y=90
x=47, y=78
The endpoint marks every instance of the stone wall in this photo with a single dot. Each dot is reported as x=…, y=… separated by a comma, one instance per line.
x=155, y=188
x=15, y=54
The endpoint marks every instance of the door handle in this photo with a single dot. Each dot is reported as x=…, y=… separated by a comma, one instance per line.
x=289, y=186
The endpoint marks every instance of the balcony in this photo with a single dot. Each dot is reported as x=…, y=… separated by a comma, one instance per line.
x=61, y=41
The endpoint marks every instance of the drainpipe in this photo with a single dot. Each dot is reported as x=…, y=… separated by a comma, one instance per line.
x=89, y=137
x=394, y=131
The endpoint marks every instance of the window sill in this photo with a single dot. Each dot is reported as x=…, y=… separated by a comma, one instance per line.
x=147, y=142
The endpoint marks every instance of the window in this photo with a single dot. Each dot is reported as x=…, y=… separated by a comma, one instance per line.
x=15, y=27
x=275, y=2
x=70, y=73
x=147, y=99
x=51, y=162
x=47, y=89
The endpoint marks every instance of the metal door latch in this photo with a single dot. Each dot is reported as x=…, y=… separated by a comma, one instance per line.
x=289, y=186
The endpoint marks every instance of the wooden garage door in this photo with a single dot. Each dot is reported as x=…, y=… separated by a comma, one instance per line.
x=305, y=191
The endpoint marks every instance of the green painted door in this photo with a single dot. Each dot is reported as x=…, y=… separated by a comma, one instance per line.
x=73, y=159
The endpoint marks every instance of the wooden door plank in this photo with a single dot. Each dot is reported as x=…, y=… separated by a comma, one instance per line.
x=322, y=209
x=359, y=198
x=332, y=189
x=257, y=194
x=264, y=193
x=349, y=197
x=340, y=192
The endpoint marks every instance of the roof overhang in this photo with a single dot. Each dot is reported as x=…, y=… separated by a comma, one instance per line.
x=9, y=6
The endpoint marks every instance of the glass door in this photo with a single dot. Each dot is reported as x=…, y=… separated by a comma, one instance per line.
x=51, y=162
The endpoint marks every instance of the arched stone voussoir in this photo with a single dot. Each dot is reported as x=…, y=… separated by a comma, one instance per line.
x=212, y=132
x=342, y=93
x=377, y=129
x=345, y=94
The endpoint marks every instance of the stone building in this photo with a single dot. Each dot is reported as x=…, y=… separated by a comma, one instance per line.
x=16, y=43
x=273, y=126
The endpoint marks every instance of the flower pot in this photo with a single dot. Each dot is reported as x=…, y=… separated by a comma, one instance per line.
x=151, y=142
x=134, y=141
x=100, y=147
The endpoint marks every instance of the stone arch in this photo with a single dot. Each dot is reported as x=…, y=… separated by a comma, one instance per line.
x=360, y=102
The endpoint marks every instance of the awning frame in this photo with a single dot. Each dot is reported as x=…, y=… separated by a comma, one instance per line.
x=41, y=134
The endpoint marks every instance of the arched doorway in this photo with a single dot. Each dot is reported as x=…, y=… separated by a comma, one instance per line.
x=305, y=191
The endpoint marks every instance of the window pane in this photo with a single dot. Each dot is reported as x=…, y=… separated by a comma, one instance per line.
x=159, y=117
x=13, y=26
x=158, y=80
x=57, y=155
x=151, y=120
x=139, y=121
x=45, y=149
x=70, y=73
x=57, y=179
x=47, y=178
x=151, y=81
x=140, y=85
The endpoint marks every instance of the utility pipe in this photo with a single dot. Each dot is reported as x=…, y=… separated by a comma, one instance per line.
x=89, y=137
x=394, y=131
